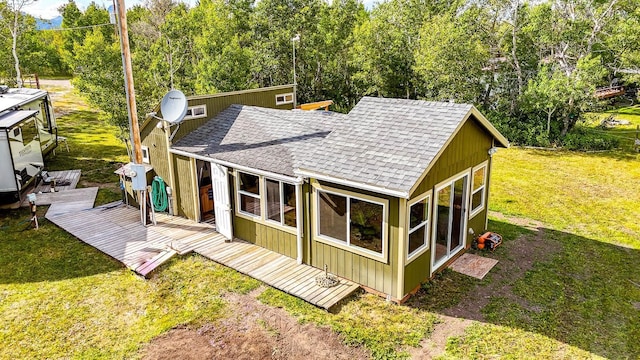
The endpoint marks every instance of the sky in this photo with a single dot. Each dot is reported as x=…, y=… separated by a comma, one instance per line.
x=48, y=9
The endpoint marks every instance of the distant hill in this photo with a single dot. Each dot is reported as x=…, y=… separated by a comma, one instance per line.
x=54, y=23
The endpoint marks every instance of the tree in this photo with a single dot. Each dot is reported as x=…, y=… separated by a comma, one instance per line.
x=162, y=42
x=223, y=45
x=564, y=98
x=12, y=19
x=98, y=76
x=385, y=47
x=452, y=55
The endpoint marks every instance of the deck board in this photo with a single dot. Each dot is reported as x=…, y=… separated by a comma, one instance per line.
x=115, y=229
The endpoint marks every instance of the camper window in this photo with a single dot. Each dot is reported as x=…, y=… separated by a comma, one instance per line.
x=29, y=131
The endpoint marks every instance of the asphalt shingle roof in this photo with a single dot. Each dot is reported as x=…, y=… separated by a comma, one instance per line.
x=385, y=143
x=260, y=138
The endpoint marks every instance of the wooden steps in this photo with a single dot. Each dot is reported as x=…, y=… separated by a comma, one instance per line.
x=153, y=263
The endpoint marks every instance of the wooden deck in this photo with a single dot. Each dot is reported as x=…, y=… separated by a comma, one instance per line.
x=278, y=271
x=69, y=178
x=115, y=229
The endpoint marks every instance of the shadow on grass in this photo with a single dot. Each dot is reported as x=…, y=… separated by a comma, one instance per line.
x=618, y=155
x=582, y=292
x=47, y=254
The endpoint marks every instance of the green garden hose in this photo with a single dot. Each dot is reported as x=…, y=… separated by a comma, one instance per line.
x=159, y=194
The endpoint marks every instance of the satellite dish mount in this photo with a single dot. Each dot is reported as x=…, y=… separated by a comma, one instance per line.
x=173, y=107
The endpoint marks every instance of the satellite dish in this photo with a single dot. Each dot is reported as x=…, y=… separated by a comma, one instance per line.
x=173, y=107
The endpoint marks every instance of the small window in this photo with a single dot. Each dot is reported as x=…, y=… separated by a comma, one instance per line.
x=478, y=192
x=418, y=240
x=282, y=99
x=195, y=112
x=352, y=221
x=281, y=202
x=145, y=154
x=249, y=194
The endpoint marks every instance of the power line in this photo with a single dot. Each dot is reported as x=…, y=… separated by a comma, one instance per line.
x=75, y=28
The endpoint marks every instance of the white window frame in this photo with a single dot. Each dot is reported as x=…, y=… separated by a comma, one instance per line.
x=239, y=192
x=476, y=211
x=383, y=257
x=284, y=99
x=427, y=224
x=266, y=200
x=193, y=108
x=146, y=157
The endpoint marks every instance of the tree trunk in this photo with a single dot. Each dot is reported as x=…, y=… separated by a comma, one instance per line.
x=566, y=121
x=14, y=50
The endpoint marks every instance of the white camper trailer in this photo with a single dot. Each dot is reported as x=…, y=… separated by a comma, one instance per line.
x=28, y=133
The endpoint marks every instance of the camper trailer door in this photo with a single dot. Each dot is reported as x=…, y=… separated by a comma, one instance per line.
x=7, y=177
x=24, y=139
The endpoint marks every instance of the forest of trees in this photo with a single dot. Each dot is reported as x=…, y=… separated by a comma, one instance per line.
x=532, y=68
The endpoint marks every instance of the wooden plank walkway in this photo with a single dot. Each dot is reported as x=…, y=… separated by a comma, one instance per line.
x=68, y=201
x=69, y=178
x=278, y=271
x=42, y=191
x=115, y=229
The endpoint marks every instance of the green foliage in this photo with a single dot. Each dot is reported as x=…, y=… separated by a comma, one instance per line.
x=451, y=57
x=580, y=138
x=98, y=69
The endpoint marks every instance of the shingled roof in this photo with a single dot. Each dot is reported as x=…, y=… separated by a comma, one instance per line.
x=383, y=143
x=260, y=138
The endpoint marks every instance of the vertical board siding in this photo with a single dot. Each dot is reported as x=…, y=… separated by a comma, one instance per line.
x=263, y=235
x=156, y=139
x=218, y=102
x=371, y=273
x=468, y=148
x=184, y=187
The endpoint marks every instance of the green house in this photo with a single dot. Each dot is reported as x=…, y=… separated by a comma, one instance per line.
x=385, y=196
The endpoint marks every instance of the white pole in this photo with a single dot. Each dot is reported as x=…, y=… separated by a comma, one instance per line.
x=299, y=222
x=295, y=83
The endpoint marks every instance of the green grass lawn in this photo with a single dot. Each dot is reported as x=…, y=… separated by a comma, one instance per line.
x=93, y=145
x=63, y=299
x=584, y=301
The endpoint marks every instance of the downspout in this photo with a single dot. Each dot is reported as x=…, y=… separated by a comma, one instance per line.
x=299, y=206
x=487, y=186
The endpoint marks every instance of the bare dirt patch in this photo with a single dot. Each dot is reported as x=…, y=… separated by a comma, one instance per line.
x=172, y=345
x=253, y=331
x=518, y=256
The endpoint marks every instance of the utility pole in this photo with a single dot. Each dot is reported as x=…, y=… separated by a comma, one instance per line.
x=121, y=15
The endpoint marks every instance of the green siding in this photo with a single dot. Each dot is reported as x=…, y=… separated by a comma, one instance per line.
x=467, y=149
x=184, y=188
x=218, y=102
x=261, y=233
x=361, y=269
x=266, y=236
x=156, y=139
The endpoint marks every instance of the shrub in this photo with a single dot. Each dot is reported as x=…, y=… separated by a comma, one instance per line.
x=581, y=139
